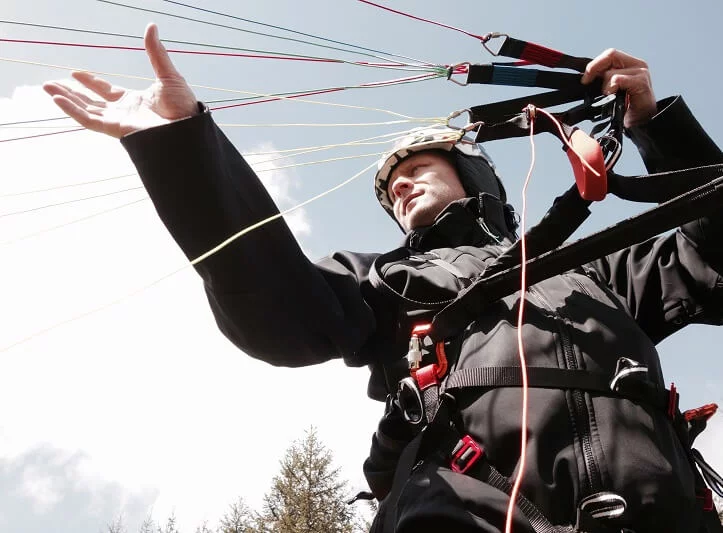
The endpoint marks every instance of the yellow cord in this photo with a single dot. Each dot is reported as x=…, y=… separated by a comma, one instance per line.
x=200, y=258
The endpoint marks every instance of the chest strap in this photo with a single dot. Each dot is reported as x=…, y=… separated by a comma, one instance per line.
x=639, y=391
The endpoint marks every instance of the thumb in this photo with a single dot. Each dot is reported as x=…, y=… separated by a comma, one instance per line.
x=157, y=54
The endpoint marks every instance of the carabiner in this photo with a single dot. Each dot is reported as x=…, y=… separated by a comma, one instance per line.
x=452, y=69
x=410, y=401
x=494, y=35
x=455, y=114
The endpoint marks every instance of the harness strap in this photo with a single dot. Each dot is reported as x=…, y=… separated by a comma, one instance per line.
x=567, y=213
x=497, y=112
x=521, y=77
x=558, y=378
x=663, y=186
x=472, y=301
x=541, y=55
x=441, y=441
x=712, y=478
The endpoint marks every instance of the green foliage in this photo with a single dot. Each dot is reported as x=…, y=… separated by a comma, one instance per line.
x=719, y=506
x=238, y=519
x=307, y=495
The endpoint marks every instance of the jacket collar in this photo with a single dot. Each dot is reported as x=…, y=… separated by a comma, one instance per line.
x=461, y=223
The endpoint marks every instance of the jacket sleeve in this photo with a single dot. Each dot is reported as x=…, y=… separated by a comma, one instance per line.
x=266, y=296
x=670, y=281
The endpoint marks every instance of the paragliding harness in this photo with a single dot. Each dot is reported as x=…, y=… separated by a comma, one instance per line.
x=427, y=395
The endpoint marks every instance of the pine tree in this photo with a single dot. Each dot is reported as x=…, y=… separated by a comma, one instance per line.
x=307, y=496
x=718, y=501
x=238, y=519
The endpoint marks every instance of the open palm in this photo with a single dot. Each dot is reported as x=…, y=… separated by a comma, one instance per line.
x=117, y=111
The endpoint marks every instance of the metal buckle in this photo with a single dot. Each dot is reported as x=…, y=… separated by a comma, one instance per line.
x=465, y=454
x=612, y=149
x=627, y=368
x=494, y=35
x=410, y=401
x=451, y=71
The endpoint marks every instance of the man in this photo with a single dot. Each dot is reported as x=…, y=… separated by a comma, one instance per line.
x=617, y=458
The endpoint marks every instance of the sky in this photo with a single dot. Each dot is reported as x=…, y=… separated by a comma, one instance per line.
x=118, y=395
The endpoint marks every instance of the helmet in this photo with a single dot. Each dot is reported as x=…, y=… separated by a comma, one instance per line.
x=474, y=166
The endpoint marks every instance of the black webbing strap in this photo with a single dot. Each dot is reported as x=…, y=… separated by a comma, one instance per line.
x=663, y=186
x=439, y=440
x=471, y=302
x=567, y=213
x=712, y=478
x=521, y=77
x=537, y=377
x=500, y=111
x=541, y=55
x=644, y=392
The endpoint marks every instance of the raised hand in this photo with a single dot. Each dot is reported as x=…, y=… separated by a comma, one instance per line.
x=117, y=111
x=619, y=70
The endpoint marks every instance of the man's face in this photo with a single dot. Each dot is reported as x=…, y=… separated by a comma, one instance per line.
x=421, y=186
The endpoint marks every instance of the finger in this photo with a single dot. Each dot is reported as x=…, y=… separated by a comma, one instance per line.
x=99, y=86
x=81, y=115
x=157, y=54
x=633, y=80
x=609, y=59
x=59, y=89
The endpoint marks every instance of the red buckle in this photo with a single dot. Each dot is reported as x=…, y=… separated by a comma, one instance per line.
x=704, y=412
x=421, y=329
x=672, y=401
x=426, y=376
x=465, y=454
x=706, y=495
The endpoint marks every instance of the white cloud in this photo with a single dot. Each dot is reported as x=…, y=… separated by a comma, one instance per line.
x=280, y=185
x=145, y=397
x=47, y=489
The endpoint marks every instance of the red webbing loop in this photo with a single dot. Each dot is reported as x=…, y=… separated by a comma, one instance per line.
x=591, y=187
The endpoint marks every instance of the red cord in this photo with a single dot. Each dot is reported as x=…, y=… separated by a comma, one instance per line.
x=423, y=19
x=565, y=139
x=208, y=53
x=520, y=347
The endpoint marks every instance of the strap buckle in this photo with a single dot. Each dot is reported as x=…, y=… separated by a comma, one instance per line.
x=705, y=495
x=465, y=454
x=410, y=401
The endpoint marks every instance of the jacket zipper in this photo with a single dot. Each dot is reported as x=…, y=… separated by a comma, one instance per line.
x=578, y=411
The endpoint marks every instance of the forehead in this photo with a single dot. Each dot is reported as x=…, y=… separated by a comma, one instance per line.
x=430, y=156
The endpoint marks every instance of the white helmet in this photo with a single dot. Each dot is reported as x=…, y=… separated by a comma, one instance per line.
x=475, y=168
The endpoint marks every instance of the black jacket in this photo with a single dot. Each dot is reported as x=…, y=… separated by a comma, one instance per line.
x=621, y=305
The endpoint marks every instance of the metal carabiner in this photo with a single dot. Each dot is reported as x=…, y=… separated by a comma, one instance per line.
x=455, y=114
x=451, y=70
x=494, y=35
x=410, y=401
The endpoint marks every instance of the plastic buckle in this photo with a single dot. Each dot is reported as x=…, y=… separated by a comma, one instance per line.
x=465, y=454
x=706, y=495
x=704, y=412
x=672, y=401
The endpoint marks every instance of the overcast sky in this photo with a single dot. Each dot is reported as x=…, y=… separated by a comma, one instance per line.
x=118, y=394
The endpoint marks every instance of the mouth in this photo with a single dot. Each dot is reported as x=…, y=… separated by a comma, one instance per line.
x=408, y=199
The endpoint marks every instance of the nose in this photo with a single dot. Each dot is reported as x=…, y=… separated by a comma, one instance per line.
x=400, y=187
